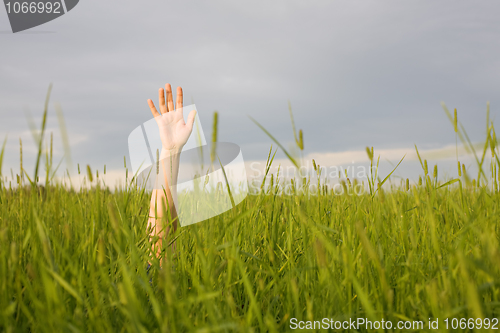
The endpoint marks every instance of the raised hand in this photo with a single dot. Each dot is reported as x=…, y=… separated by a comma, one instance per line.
x=174, y=132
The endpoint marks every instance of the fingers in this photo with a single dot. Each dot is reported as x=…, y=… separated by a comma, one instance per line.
x=153, y=109
x=170, y=99
x=161, y=99
x=179, y=99
x=190, y=120
x=168, y=105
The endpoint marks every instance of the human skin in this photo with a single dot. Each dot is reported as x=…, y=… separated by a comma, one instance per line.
x=174, y=133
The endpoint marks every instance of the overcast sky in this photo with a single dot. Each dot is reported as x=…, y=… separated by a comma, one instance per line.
x=357, y=73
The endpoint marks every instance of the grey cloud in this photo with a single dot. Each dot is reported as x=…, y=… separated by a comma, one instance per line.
x=357, y=73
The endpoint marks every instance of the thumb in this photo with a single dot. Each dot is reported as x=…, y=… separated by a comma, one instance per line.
x=190, y=120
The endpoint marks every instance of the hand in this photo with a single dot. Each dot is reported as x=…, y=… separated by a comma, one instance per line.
x=174, y=132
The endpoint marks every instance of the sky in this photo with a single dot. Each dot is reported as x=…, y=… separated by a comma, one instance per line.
x=357, y=74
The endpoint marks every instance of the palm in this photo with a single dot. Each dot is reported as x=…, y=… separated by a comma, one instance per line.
x=174, y=132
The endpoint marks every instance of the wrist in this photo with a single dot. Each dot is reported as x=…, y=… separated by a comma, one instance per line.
x=169, y=152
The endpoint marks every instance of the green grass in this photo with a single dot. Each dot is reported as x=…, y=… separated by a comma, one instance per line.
x=75, y=261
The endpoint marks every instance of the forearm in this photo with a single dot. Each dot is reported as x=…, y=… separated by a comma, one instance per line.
x=163, y=198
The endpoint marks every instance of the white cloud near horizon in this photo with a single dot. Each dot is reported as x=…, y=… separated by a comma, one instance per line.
x=444, y=157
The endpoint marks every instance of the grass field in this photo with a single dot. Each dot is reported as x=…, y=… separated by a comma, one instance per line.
x=76, y=260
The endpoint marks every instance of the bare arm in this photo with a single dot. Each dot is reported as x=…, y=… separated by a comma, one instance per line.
x=174, y=133
x=163, y=200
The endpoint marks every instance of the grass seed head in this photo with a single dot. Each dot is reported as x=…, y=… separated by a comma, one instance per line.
x=301, y=140
x=214, y=137
x=215, y=126
x=89, y=174
x=455, y=121
x=369, y=153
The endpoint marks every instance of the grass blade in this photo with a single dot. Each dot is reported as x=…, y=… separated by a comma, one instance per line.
x=277, y=142
x=40, y=141
x=227, y=183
